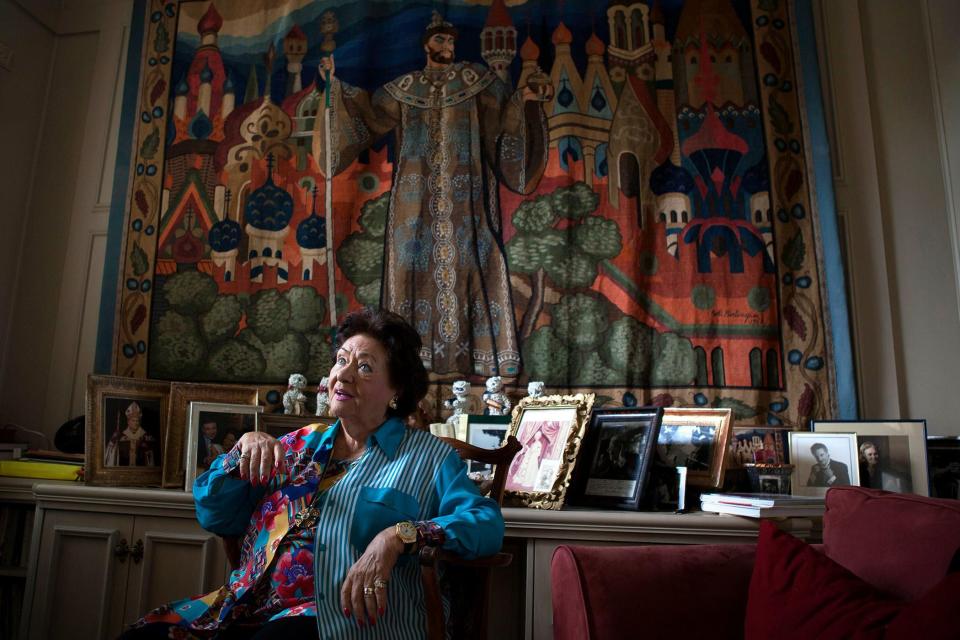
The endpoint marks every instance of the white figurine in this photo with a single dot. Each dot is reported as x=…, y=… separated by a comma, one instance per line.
x=294, y=400
x=459, y=401
x=495, y=401
x=323, y=396
x=535, y=388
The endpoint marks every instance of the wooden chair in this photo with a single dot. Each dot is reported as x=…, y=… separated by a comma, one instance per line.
x=468, y=581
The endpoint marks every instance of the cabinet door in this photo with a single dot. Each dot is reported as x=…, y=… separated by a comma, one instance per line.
x=179, y=560
x=78, y=591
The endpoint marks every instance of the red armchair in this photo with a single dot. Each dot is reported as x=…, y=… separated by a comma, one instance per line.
x=899, y=543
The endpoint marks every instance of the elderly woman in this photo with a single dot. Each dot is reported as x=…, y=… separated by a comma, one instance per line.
x=331, y=516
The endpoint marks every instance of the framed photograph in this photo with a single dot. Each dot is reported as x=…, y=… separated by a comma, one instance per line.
x=615, y=460
x=550, y=428
x=280, y=424
x=181, y=395
x=213, y=428
x=696, y=439
x=943, y=453
x=821, y=461
x=757, y=445
x=126, y=425
x=486, y=432
x=891, y=454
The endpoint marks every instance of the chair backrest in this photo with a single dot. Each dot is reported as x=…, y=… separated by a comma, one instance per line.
x=467, y=582
x=500, y=458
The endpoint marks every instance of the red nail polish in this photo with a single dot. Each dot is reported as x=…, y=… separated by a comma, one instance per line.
x=380, y=612
x=373, y=622
x=346, y=612
x=360, y=622
x=263, y=479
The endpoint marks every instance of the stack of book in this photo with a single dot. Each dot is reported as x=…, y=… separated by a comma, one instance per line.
x=762, y=505
x=49, y=465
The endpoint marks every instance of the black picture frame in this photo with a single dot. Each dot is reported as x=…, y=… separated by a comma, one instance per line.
x=943, y=458
x=615, y=464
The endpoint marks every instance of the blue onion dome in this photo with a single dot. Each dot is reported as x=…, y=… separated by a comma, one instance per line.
x=224, y=236
x=182, y=87
x=269, y=208
x=757, y=178
x=669, y=178
x=312, y=233
x=206, y=75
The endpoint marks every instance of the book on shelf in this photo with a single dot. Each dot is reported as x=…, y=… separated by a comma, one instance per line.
x=47, y=455
x=762, y=505
x=36, y=469
x=12, y=450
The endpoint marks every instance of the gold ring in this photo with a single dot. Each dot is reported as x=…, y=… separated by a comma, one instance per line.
x=379, y=583
x=368, y=591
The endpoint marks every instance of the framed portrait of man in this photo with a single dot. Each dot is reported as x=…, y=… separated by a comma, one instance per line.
x=697, y=439
x=126, y=425
x=822, y=461
x=213, y=430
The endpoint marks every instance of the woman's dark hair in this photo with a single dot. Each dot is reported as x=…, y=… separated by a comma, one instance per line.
x=402, y=343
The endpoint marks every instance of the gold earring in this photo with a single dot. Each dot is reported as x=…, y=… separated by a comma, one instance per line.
x=393, y=403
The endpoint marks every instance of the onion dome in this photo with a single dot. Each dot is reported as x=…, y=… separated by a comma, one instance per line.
x=561, y=35
x=529, y=50
x=182, y=87
x=206, y=74
x=669, y=178
x=312, y=233
x=757, y=178
x=295, y=34
x=269, y=208
x=224, y=236
x=595, y=46
x=228, y=85
x=210, y=22
x=498, y=15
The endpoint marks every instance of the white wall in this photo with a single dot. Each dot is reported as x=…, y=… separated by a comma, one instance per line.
x=891, y=90
x=62, y=199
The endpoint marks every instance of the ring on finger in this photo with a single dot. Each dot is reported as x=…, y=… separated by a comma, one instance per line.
x=379, y=584
x=368, y=592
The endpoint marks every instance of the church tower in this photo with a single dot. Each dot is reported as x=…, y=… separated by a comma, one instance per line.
x=498, y=41
x=295, y=48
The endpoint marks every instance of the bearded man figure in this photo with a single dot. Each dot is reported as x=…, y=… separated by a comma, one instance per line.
x=460, y=132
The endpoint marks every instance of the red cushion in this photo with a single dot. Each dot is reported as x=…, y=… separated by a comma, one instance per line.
x=897, y=542
x=797, y=592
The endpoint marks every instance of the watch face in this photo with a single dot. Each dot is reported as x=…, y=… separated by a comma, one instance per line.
x=407, y=532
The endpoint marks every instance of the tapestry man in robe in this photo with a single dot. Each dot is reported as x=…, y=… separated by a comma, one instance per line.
x=459, y=132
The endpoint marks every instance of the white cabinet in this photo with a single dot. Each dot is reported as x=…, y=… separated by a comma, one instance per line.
x=103, y=557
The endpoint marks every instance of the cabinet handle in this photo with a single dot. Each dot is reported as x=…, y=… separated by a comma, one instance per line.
x=137, y=552
x=121, y=550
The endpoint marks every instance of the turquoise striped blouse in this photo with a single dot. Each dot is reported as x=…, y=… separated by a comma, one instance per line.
x=403, y=474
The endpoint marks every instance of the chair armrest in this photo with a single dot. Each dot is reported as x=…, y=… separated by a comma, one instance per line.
x=429, y=556
x=655, y=591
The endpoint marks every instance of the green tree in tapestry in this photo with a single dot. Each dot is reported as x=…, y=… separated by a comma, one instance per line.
x=361, y=254
x=238, y=338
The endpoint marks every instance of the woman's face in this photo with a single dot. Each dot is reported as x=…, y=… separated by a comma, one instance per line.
x=359, y=387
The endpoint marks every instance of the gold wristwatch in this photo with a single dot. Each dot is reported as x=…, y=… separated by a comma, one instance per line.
x=407, y=533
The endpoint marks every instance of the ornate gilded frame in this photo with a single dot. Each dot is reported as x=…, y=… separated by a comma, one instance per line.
x=100, y=390
x=181, y=395
x=720, y=420
x=574, y=412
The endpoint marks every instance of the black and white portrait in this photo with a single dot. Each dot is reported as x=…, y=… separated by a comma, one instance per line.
x=885, y=463
x=689, y=446
x=822, y=461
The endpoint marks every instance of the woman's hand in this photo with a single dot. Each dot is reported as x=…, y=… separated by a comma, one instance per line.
x=364, y=592
x=261, y=455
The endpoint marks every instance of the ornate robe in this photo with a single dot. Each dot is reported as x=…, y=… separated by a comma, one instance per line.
x=459, y=134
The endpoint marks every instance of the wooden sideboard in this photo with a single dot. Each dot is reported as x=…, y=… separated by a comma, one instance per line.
x=103, y=556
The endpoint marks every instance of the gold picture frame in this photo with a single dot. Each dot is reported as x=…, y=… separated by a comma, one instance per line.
x=280, y=424
x=551, y=429
x=181, y=395
x=697, y=439
x=115, y=453
x=242, y=417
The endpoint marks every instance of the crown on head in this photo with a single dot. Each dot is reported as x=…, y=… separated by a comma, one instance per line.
x=437, y=22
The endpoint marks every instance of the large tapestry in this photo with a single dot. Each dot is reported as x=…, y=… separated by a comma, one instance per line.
x=606, y=196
